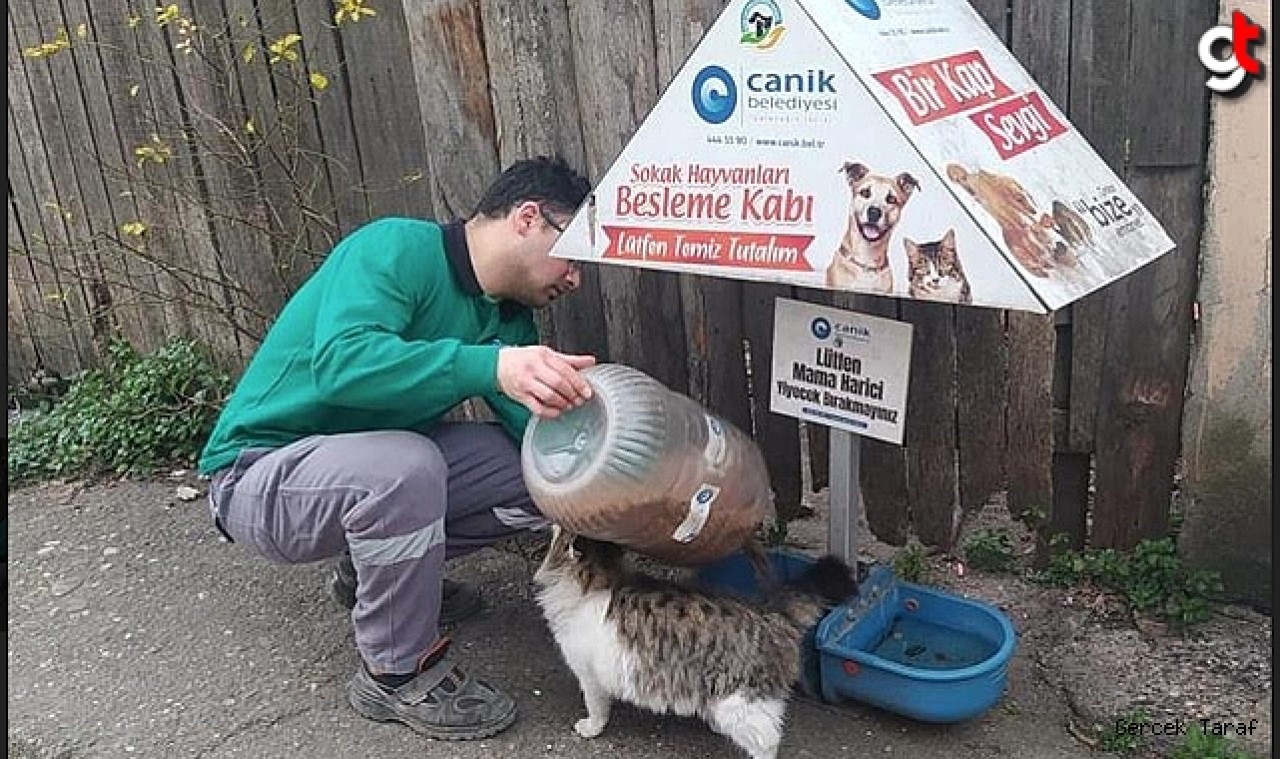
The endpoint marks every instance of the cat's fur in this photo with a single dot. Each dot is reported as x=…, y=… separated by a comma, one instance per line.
x=934, y=270
x=671, y=647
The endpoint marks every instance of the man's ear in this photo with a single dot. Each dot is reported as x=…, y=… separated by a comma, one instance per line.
x=526, y=216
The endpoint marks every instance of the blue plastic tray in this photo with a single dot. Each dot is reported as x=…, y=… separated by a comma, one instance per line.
x=913, y=650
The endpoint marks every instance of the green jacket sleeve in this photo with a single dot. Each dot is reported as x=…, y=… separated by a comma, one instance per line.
x=382, y=277
x=520, y=330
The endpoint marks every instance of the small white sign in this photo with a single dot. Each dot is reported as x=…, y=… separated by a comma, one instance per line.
x=840, y=369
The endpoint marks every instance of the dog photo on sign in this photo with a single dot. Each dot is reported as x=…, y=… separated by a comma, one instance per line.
x=875, y=208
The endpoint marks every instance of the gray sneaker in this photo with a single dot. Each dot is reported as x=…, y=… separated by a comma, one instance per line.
x=441, y=702
x=458, y=600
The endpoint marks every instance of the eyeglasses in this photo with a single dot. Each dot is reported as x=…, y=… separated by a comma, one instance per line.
x=550, y=221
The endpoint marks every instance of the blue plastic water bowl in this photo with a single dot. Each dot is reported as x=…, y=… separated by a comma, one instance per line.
x=734, y=575
x=916, y=651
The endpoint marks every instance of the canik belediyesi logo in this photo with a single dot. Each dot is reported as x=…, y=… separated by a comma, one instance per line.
x=715, y=95
x=1231, y=71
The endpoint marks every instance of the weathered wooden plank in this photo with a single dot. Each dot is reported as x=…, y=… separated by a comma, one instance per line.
x=717, y=365
x=308, y=164
x=1147, y=352
x=226, y=159
x=930, y=434
x=1100, y=61
x=679, y=25
x=982, y=362
x=46, y=320
x=1168, y=90
x=883, y=467
x=83, y=176
x=447, y=44
x=24, y=352
x=1040, y=36
x=616, y=73
x=55, y=97
x=287, y=186
x=536, y=112
x=387, y=121
x=777, y=435
x=194, y=266
x=1029, y=413
x=537, y=107
x=125, y=89
x=337, y=138
x=112, y=205
x=62, y=299
x=996, y=13
x=1068, y=514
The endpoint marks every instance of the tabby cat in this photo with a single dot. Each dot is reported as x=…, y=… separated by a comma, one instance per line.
x=934, y=270
x=672, y=647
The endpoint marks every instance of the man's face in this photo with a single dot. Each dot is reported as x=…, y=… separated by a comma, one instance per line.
x=545, y=278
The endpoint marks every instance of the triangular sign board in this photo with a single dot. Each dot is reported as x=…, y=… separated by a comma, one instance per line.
x=893, y=148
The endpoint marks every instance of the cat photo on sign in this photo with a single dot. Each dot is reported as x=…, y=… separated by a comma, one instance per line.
x=934, y=271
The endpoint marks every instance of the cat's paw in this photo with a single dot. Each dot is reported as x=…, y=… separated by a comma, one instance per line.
x=588, y=728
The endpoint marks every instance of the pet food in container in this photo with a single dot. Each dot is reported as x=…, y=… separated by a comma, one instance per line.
x=647, y=468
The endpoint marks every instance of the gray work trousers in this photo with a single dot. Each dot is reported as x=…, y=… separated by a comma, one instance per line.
x=401, y=503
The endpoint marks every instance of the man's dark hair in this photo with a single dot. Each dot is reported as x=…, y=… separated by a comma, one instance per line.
x=546, y=180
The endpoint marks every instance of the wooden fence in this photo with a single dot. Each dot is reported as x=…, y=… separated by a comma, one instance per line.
x=178, y=170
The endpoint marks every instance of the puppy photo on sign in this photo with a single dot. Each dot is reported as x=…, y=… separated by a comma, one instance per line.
x=875, y=209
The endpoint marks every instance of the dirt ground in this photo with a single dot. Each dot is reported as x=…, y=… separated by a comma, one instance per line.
x=1104, y=661
x=135, y=630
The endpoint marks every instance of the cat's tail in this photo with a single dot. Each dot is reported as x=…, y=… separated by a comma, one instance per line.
x=830, y=578
x=829, y=581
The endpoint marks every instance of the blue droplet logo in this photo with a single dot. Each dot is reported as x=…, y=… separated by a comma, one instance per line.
x=715, y=95
x=868, y=8
x=821, y=328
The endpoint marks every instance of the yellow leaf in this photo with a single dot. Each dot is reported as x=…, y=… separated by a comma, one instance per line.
x=249, y=52
x=60, y=42
x=249, y=127
x=319, y=81
x=134, y=20
x=166, y=13
x=353, y=10
x=283, y=48
x=133, y=90
x=134, y=228
x=82, y=31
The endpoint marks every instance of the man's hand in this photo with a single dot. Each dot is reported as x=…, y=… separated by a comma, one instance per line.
x=545, y=381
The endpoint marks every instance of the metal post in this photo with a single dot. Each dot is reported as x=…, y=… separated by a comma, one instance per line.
x=846, y=495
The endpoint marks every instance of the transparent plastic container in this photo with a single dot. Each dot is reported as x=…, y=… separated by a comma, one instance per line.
x=647, y=468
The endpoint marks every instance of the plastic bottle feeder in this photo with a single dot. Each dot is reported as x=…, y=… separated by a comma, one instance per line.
x=916, y=651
